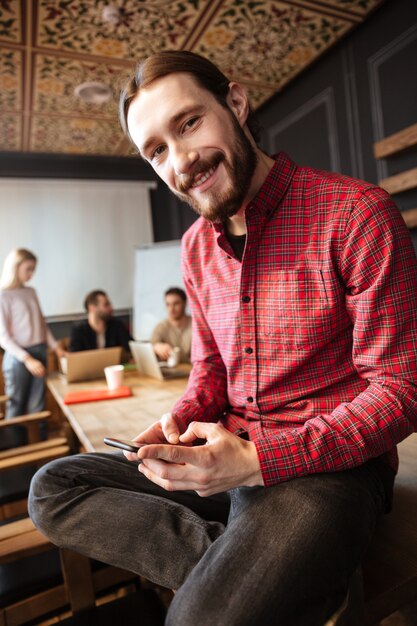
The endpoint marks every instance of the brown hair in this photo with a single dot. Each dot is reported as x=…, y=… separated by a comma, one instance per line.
x=161, y=64
x=92, y=297
x=176, y=291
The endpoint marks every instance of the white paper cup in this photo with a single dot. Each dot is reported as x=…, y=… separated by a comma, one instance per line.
x=63, y=361
x=114, y=376
x=174, y=357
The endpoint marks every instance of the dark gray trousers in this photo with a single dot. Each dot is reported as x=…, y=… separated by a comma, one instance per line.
x=258, y=556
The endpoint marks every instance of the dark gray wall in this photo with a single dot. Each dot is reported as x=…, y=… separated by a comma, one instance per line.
x=363, y=90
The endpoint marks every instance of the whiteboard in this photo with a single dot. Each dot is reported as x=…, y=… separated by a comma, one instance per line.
x=84, y=233
x=157, y=268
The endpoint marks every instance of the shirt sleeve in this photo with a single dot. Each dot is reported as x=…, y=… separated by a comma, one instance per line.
x=125, y=337
x=205, y=398
x=76, y=343
x=379, y=269
x=158, y=333
x=7, y=342
x=50, y=339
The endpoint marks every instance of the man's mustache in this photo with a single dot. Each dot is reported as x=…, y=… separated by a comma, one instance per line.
x=185, y=181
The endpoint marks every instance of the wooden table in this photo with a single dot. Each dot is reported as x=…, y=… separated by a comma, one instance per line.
x=123, y=418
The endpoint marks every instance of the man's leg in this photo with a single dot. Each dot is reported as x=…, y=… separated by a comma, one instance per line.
x=102, y=506
x=285, y=557
x=287, y=553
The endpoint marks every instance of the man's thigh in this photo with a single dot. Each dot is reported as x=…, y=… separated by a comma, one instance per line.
x=287, y=553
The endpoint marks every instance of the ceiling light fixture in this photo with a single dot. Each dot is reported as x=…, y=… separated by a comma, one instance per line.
x=93, y=92
x=111, y=15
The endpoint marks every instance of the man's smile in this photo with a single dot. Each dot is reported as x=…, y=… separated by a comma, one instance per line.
x=201, y=178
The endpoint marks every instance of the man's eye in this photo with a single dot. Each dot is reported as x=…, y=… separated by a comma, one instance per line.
x=157, y=152
x=189, y=123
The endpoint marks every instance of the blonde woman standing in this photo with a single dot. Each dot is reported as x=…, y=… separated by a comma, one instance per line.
x=24, y=336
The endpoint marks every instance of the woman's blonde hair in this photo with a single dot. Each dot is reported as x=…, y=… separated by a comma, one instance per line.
x=11, y=266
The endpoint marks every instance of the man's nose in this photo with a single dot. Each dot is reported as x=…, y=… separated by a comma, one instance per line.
x=183, y=160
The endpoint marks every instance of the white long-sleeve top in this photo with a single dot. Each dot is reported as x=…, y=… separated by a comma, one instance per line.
x=21, y=322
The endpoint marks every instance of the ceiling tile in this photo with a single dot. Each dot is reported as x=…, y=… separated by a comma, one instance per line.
x=145, y=26
x=10, y=132
x=258, y=95
x=362, y=7
x=74, y=136
x=56, y=77
x=48, y=47
x=10, y=80
x=267, y=42
x=11, y=21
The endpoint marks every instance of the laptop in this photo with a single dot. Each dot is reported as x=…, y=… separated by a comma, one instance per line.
x=148, y=364
x=89, y=364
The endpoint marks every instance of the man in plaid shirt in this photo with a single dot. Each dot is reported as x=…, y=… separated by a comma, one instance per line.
x=302, y=286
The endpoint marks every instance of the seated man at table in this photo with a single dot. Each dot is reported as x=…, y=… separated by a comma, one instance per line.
x=100, y=329
x=175, y=331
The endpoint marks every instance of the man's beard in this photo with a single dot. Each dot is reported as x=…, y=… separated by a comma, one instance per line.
x=105, y=317
x=218, y=207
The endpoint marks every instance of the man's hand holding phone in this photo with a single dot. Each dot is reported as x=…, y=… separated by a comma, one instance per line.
x=224, y=462
x=166, y=430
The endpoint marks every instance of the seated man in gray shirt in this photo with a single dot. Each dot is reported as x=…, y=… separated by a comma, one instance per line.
x=175, y=331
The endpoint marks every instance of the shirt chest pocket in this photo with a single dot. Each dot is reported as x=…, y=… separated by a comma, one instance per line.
x=293, y=308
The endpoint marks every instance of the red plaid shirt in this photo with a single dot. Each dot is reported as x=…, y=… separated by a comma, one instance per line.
x=309, y=345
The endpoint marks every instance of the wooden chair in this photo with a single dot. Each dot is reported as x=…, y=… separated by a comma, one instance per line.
x=18, y=464
x=61, y=580
x=143, y=606
x=3, y=400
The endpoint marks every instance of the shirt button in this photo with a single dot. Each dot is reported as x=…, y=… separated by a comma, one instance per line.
x=246, y=299
x=248, y=350
x=249, y=399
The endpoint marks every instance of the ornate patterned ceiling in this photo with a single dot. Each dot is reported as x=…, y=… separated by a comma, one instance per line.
x=47, y=47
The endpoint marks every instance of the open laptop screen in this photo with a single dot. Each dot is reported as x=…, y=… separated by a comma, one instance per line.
x=90, y=364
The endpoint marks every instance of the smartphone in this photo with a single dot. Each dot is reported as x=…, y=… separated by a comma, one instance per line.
x=130, y=446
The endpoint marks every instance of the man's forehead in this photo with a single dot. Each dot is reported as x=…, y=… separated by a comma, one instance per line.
x=168, y=94
x=176, y=80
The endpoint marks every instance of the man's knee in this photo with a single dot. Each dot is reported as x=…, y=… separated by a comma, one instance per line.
x=51, y=479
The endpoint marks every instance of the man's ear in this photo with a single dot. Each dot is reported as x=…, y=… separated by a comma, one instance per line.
x=238, y=103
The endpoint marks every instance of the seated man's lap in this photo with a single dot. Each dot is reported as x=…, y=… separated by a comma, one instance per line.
x=296, y=543
x=303, y=538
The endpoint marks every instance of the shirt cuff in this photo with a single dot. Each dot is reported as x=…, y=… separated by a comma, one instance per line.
x=187, y=411
x=276, y=461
